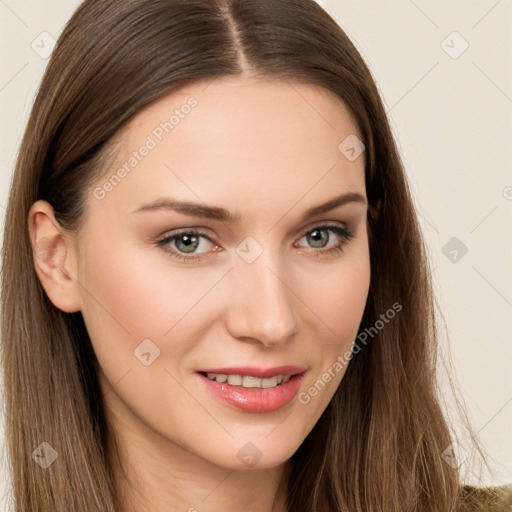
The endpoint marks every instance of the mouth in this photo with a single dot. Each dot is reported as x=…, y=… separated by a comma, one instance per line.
x=253, y=389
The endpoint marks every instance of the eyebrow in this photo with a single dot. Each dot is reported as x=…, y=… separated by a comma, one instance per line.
x=221, y=214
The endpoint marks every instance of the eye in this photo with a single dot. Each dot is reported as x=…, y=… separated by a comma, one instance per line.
x=319, y=238
x=185, y=243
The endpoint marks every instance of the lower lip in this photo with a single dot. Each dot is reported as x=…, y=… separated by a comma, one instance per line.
x=255, y=400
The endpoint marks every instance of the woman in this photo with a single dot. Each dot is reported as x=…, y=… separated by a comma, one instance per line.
x=215, y=290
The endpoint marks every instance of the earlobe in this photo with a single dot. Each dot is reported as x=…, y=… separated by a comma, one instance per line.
x=54, y=258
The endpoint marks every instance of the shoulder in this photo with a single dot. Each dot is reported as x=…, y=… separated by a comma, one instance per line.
x=487, y=499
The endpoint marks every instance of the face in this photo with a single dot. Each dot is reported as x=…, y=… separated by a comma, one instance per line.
x=222, y=303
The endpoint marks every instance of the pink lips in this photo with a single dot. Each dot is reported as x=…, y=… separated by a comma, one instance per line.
x=255, y=400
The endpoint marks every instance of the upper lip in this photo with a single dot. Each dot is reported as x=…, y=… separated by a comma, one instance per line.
x=262, y=373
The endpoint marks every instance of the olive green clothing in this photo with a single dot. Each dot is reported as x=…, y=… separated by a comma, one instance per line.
x=488, y=499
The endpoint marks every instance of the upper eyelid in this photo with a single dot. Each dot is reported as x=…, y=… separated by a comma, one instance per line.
x=323, y=224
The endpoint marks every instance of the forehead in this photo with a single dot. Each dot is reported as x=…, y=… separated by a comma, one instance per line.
x=261, y=138
x=251, y=106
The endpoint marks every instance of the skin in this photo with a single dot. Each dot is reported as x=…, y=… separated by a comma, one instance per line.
x=269, y=151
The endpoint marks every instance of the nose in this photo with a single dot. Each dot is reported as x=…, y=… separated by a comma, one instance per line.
x=261, y=301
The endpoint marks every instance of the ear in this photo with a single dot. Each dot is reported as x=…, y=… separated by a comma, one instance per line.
x=53, y=251
x=375, y=210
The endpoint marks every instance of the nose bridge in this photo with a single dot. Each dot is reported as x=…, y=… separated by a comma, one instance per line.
x=262, y=306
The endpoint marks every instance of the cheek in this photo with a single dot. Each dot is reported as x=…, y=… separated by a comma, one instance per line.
x=128, y=298
x=341, y=309
x=339, y=303
x=348, y=305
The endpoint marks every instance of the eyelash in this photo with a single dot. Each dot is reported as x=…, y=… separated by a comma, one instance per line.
x=345, y=234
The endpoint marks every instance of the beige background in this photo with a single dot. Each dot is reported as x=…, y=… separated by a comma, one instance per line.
x=451, y=111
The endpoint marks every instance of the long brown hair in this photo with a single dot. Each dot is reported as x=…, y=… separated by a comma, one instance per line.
x=379, y=444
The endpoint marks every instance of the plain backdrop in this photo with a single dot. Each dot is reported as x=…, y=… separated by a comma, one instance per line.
x=444, y=72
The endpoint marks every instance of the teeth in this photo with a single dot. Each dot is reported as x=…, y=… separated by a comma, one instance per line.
x=235, y=380
x=270, y=383
x=247, y=381
x=219, y=377
x=251, y=382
